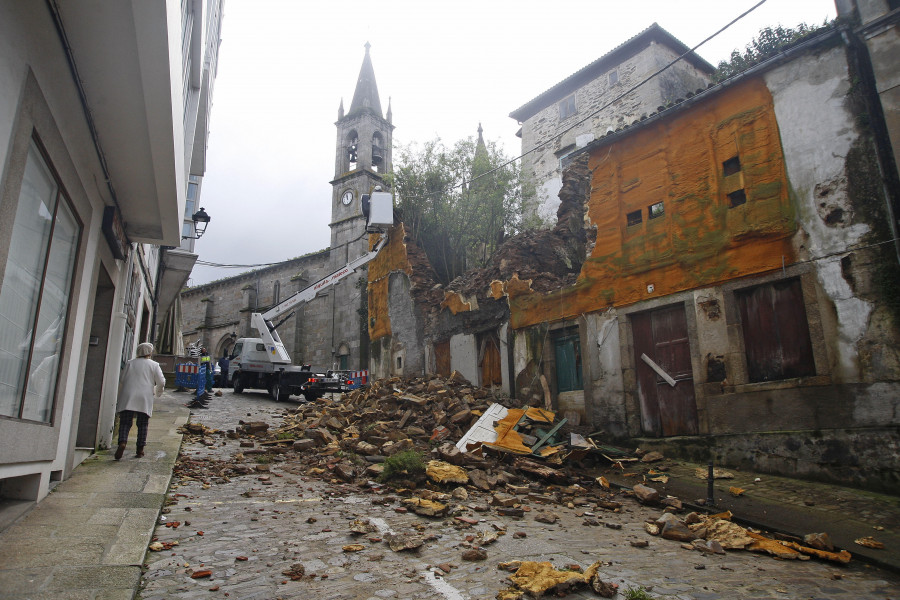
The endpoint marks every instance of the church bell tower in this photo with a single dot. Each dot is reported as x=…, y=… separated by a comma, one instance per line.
x=363, y=157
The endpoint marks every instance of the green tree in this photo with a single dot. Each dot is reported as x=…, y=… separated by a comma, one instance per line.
x=766, y=44
x=459, y=203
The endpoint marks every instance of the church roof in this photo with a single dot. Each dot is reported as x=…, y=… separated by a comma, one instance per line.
x=366, y=95
x=611, y=59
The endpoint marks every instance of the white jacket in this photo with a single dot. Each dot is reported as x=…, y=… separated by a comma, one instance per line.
x=142, y=379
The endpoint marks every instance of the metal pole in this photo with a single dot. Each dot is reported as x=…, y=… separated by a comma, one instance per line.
x=710, y=493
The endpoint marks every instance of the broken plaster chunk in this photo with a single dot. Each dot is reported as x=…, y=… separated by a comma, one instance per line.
x=426, y=508
x=869, y=542
x=730, y=535
x=443, y=472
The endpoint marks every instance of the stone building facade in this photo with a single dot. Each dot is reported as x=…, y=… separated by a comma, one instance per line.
x=329, y=331
x=593, y=102
x=721, y=282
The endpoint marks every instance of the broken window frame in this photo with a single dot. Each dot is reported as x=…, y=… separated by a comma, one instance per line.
x=651, y=214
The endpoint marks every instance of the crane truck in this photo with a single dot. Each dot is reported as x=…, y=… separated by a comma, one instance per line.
x=264, y=363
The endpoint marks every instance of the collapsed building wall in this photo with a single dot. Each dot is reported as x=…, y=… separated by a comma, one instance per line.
x=721, y=279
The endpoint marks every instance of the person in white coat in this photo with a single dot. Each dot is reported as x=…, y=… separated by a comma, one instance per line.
x=142, y=381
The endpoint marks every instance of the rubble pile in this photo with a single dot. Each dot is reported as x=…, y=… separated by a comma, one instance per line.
x=447, y=451
x=715, y=534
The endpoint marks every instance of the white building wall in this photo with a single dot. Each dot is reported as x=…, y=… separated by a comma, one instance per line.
x=817, y=175
x=464, y=356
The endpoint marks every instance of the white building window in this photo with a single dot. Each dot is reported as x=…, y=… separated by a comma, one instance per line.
x=567, y=107
x=613, y=77
x=34, y=297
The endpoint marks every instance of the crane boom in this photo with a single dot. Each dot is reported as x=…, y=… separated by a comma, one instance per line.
x=263, y=322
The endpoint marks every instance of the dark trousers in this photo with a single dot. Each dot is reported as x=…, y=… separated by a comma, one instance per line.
x=143, y=422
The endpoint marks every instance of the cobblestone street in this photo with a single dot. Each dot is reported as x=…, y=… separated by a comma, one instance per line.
x=251, y=532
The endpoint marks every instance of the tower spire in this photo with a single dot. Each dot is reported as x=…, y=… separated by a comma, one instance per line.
x=366, y=95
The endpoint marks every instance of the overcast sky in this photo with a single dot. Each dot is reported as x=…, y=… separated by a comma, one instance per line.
x=285, y=65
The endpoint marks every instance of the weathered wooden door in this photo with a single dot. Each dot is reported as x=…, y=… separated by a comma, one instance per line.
x=662, y=336
x=489, y=360
x=442, y=358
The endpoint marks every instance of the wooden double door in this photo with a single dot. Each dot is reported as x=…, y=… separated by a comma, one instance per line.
x=665, y=380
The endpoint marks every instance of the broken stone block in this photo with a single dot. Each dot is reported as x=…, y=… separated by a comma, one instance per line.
x=505, y=500
x=510, y=512
x=475, y=554
x=366, y=449
x=344, y=471
x=549, y=518
x=671, y=502
x=321, y=436
x=361, y=526
x=255, y=427
x=645, y=494
x=819, y=541
x=652, y=457
x=449, y=453
x=691, y=518
x=678, y=531
x=651, y=528
x=426, y=508
x=460, y=494
x=303, y=445
x=480, y=480
x=405, y=541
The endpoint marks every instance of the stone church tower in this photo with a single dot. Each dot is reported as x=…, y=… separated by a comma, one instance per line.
x=330, y=330
x=362, y=157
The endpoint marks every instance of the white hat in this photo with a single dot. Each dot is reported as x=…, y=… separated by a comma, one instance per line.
x=145, y=349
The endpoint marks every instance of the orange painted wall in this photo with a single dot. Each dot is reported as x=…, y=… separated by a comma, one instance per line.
x=391, y=258
x=700, y=240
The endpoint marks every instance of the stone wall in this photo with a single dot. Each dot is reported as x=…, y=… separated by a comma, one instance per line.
x=552, y=138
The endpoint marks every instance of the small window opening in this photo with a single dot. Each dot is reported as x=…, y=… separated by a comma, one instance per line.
x=634, y=218
x=352, y=150
x=399, y=362
x=567, y=107
x=377, y=152
x=614, y=77
x=655, y=210
x=737, y=198
x=731, y=166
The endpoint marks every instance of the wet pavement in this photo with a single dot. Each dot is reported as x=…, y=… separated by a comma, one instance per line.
x=253, y=532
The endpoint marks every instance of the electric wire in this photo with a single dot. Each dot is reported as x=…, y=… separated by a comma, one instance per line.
x=542, y=144
x=605, y=106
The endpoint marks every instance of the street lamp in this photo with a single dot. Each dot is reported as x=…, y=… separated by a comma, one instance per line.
x=201, y=220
